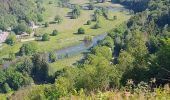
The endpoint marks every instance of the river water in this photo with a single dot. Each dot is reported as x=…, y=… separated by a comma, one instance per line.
x=82, y=47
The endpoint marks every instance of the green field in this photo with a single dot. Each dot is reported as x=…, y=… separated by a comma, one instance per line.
x=67, y=62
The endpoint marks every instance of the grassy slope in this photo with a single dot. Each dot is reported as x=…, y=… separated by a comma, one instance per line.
x=67, y=62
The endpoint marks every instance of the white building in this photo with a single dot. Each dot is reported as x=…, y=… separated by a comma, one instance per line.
x=3, y=36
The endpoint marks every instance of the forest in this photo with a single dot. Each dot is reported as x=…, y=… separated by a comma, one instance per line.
x=132, y=61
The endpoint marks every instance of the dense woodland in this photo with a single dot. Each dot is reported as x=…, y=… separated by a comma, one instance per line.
x=19, y=13
x=134, y=56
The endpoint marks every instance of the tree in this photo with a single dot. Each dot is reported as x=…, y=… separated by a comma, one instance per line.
x=16, y=80
x=88, y=22
x=45, y=37
x=11, y=55
x=58, y=19
x=11, y=39
x=54, y=33
x=28, y=49
x=96, y=15
x=108, y=41
x=136, y=46
x=46, y=24
x=26, y=66
x=22, y=27
x=125, y=61
x=103, y=51
x=6, y=88
x=41, y=67
x=97, y=25
x=52, y=57
x=163, y=57
x=76, y=12
x=40, y=17
x=81, y=31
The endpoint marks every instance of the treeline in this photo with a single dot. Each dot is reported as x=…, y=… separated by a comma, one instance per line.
x=136, y=5
x=13, y=12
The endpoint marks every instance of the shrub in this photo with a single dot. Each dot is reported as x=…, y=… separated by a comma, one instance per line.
x=88, y=39
x=45, y=37
x=88, y=22
x=46, y=24
x=97, y=25
x=6, y=88
x=54, y=33
x=11, y=39
x=81, y=31
x=50, y=2
x=28, y=49
x=58, y=19
x=52, y=57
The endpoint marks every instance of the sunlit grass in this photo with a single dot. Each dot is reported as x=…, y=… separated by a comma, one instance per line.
x=67, y=62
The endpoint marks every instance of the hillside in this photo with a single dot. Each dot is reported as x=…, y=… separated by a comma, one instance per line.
x=91, y=50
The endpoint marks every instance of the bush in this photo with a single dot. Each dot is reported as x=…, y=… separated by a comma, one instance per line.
x=52, y=57
x=88, y=39
x=11, y=39
x=50, y=2
x=81, y=31
x=114, y=17
x=88, y=22
x=40, y=17
x=54, y=33
x=6, y=88
x=45, y=37
x=58, y=19
x=97, y=25
x=46, y=24
x=28, y=49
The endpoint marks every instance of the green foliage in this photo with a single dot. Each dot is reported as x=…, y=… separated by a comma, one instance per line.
x=88, y=39
x=26, y=66
x=76, y=12
x=11, y=55
x=163, y=63
x=58, y=19
x=46, y=24
x=52, y=56
x=89, y=22
x=22, y=27
x=81, y=31
x=54, y=33
x=45, y=37
x=11, y=39
x=63, y=3
x=28, y=49
x=13, y=11
x=41, y=67
x=97, y=25
x=6, y=88
x=40, y=17
x=108, y=41
x=103, y=51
